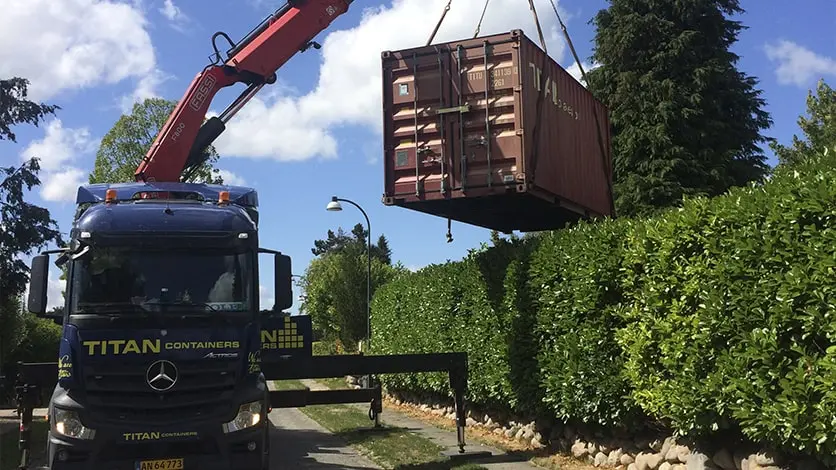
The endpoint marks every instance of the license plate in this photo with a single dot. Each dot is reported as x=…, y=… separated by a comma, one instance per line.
x=164, y=464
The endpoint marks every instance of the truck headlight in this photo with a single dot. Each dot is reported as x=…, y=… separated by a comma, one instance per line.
x=67, y=423
x=249, y=414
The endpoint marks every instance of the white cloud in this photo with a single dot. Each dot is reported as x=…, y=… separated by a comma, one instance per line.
x=279, y=132
x=55, y=286
x=170, y=10
x=232, y=179
x=72, y=44
x=349, y=91
x=575, y=71
x=146, y=88
x=177, y=19
x=62, y=186
x=59, y=145
x=798, y=65
x=266, y=298
x=57, y=151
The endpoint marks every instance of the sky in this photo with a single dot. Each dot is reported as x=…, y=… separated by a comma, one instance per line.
x=317, y=131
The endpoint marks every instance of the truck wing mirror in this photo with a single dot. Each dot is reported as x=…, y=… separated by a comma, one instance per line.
x=282, y=279
x=38, y=285
x=284, y=282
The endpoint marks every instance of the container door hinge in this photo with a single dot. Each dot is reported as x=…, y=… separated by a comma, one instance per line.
x=455, y=109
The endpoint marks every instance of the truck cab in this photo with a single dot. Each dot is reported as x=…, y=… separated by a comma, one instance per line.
x=159, y=361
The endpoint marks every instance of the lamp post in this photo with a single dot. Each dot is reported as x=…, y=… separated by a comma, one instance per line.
x=335, y=206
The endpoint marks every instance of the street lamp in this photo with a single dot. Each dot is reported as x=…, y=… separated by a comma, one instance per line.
x=335, y=206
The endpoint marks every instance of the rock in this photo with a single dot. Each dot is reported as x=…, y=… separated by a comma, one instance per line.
x=592, y=448
x=766, y=459
x=682, y=454
x=654, y=460
x=724, y=459
x=666, y=446
x=679, y=466
x=656, y=445
x=614, y=457
x=499, y=431
x=600, y=459
x=641, y=461
x=665, y=466
x=528, y=434
x=536, y=443
x=509, y=432
x=604, y=447
x=520, y=433
x=672, y=455
x=626, y=459
x=699, y=461
x=739, y=457
x=632, y=466
x=579, y=449
x=470, y=422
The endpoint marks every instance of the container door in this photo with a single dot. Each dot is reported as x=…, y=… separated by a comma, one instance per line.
x=485, y=88
x=420, y=148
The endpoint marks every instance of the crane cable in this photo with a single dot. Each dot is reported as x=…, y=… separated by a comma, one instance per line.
x=440, y=20
x=607, y=175
x=479, y=25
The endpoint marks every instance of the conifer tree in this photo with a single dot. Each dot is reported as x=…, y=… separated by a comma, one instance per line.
x=685, y=121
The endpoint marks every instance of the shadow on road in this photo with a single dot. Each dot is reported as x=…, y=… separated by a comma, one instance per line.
x=312, y=449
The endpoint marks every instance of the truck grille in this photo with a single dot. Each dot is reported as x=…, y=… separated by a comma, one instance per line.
x=119, y=393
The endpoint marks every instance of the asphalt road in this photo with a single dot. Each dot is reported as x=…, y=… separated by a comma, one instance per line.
x=297, y=441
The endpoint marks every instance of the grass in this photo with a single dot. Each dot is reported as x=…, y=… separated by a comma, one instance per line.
x=389, y=447
x=10, y=455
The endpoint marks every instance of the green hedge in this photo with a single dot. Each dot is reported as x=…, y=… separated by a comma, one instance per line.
x=717, y=316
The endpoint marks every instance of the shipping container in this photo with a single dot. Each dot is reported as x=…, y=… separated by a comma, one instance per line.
x=493, y=132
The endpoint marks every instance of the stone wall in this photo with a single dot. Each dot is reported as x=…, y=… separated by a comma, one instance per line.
x=658, y=452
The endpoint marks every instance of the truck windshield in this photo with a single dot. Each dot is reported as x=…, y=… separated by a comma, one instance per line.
x=108, y=280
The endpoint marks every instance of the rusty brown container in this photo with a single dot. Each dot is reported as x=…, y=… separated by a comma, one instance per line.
x=506, y=138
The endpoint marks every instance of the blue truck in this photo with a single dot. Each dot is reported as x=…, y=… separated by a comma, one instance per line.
x=166, y=353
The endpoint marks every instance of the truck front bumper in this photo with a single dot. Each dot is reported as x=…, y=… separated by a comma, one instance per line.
x=241, y=450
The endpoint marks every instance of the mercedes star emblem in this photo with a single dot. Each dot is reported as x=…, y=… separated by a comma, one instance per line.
x=161, y=375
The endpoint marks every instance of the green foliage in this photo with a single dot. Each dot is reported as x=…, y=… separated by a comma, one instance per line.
x=127, y=142
x=26, y=227
x=577, y=303
x=335, y=284
x=16, y=109
x=717, y=316
x=685, y=121
x=357, y=242
x=819, y=127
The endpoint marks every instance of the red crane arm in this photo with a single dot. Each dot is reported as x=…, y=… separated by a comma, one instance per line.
x=180, y=146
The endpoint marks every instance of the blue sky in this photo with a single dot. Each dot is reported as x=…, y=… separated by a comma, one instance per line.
x=316, y=133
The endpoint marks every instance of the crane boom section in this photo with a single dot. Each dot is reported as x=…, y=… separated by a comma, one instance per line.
x=183, y=139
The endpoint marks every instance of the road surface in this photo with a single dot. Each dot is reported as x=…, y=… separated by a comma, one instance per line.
x=300, y=442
